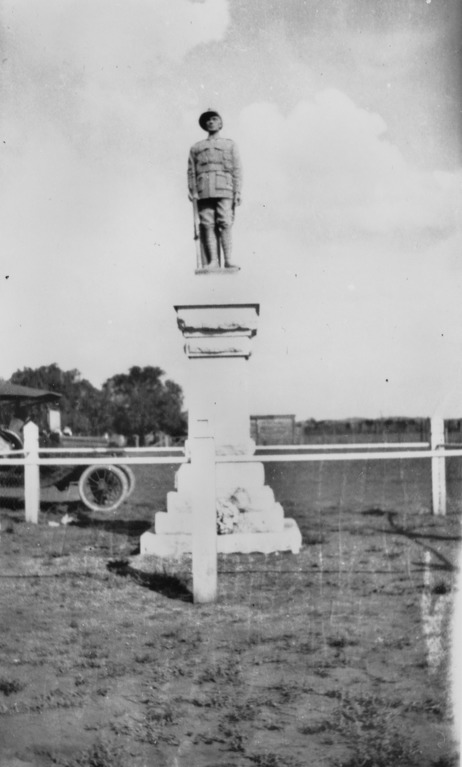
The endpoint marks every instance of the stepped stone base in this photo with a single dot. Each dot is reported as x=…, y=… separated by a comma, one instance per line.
x=176, y=544
x=228, y=477
x=269, y=521
x=253, y=499
x=218, y=344
x=257, y=522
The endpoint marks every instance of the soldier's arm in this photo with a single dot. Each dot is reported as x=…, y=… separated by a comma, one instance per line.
x=237, y=175
x=192, y=185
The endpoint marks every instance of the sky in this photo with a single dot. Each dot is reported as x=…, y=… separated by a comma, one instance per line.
x=347, y=114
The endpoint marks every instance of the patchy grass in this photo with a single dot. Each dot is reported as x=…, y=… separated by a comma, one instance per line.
x=315, y=658
x=99, y=755
x=373, y=731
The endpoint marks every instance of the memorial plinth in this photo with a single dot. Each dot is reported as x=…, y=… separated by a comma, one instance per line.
x=218, y=340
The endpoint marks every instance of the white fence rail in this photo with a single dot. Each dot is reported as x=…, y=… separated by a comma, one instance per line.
x=365, y=456
x=33, y=457
x=349, y=445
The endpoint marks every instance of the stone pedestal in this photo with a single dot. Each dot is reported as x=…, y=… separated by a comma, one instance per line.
x=218, y=341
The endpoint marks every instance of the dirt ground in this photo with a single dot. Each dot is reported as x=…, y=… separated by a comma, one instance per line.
x=337, y=656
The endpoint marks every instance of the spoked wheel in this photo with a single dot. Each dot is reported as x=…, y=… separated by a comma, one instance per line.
x=130, y=479
x=103, y=488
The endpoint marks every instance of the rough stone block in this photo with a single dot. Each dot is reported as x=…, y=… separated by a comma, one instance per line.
x=247, y=499
x=218, y=319
x=228, y=477
x=288, y=539
x=270, y=520
x=254, y=498
x=178, y=503
x=261, y=521
x=171, y=523
x=234, y=346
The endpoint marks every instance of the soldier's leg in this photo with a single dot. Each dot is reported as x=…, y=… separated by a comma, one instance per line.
x=225, y=218
x=206, y=209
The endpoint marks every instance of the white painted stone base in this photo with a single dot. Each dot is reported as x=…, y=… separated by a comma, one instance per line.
x=268, y=521
x=249, y=519
x=247, y=499
x=228, y=477
x=176, y=544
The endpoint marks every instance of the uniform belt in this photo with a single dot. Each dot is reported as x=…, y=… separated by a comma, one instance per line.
x=208, y=168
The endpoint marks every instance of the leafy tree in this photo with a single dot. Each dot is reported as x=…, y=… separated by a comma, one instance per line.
x=140, y=402
x=137, y=402
x=173, y=418
x=81, y=404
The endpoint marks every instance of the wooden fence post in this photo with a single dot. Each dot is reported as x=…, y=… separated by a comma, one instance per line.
x=31, y=472
x=204, y=515
x=438, y=468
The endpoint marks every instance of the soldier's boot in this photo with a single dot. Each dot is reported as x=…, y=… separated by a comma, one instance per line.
x=209, y=240
x=226, y=244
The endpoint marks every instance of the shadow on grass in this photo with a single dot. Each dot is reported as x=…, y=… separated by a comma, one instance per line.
x=374, y=512
x=391, y=517
x=129, y=527
x=416, y=537
x=106, y=521
x=169, y=585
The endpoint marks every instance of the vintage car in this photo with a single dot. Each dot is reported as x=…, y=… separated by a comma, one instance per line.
x=101, y=487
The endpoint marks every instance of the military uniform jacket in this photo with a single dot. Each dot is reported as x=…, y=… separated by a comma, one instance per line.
x=214, y=169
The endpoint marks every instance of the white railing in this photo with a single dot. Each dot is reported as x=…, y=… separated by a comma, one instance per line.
x=32, y=457
x=349, y=445
x=203, y=458
x=440, y=452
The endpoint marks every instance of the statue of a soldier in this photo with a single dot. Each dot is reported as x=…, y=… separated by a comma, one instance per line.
x=214, y=182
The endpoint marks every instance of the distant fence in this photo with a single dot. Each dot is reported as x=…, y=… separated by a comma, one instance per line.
x=364, y=429
x=32, y=457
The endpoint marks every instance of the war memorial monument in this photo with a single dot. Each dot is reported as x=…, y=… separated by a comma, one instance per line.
x=218, y=331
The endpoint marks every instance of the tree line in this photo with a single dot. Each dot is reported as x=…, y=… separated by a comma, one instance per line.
x=141, y=402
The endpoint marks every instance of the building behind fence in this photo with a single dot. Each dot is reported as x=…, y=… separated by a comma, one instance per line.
x=273, y=429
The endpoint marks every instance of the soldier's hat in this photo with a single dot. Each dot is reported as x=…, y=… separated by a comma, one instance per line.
x=205, y=116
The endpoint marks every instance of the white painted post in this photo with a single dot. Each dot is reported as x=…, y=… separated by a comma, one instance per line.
x=438, y=468
x=54, y=419
x=204, y=521
x=31, y=472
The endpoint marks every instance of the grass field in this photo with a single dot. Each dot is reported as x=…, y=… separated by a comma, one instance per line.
x=337, y=656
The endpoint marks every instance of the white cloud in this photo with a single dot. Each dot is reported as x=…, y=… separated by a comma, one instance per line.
x=100, y=110
x=99, y=36
x=105, y=73
x=329, y=167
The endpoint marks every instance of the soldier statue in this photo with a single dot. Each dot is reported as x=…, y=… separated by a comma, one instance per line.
x=214, y=183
